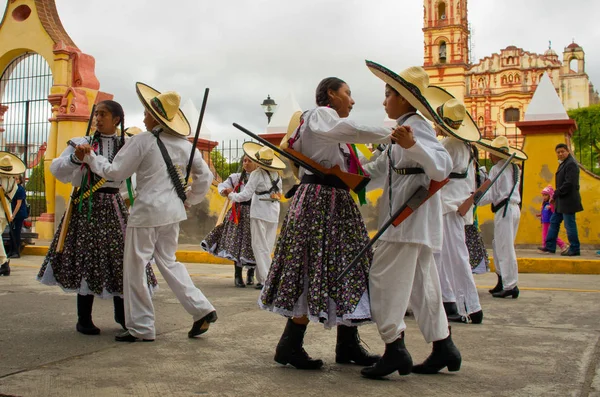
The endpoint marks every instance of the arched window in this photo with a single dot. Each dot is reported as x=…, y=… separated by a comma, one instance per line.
x=442, y=52
x=503, y=80
x=480, y=122
x=574, y=65
x=517, y=78
x=442, y=10
x=511, y=115
x=481, y=83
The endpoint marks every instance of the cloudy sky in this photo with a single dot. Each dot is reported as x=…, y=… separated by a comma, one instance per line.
x=243, y=50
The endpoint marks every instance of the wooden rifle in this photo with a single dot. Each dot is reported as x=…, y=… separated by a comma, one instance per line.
x=60, y=245
x=201, y=117
x=483, y=189
x=353, y=181
x=420, y=196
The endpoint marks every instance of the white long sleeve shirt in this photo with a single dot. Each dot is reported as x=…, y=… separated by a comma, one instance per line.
x=259, y=181
x=457, y=190
x=424, y=226
x=230, y=183
x=9, y=184
x=503, y=186
x=157, y=203
x=324, y=134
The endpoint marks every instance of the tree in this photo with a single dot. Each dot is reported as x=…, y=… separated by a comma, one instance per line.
x=586, y=139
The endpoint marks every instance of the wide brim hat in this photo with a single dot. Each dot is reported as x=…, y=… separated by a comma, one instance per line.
x=411, y=84
x=503, y=151
x=11, y=164
x=131, y=131
x=292, y=127
x=252, y=149
x=466, y=131
x=177, y=123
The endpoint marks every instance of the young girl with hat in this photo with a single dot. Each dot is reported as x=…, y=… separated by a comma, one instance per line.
x=10, y=167
x=322, y=232
x=545, y=215
x=505, y=198
x=232, y=238
x=459, y=292
x=159, y=157
x=404, y=267
x=264, y=189
x=91, y=262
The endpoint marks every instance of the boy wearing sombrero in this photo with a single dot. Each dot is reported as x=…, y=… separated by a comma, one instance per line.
x=505, y=197
x=158, y=157
x=403, y=267
x=264, y=189
x=459, y=292
x=10, y=166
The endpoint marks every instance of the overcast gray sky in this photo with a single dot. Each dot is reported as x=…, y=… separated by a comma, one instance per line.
x=243, y=50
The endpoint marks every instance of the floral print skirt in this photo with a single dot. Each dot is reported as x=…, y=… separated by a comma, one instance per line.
x=322, y=233
x=477, y=251
x=232, y=241
x=92, y=259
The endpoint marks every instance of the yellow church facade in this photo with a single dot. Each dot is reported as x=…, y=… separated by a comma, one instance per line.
x=498, y=88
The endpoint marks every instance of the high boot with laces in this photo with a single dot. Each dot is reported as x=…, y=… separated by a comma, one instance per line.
x=498, y=286
x=290, y=351
x=444, y=354
x=238, y=278
x=250, y=277
x=348, y=348
x=84, y=315
x=5, y=269
x=119, y=305
x=395, y=358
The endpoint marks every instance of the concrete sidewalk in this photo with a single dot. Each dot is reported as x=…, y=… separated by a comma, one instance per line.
x=546, y=343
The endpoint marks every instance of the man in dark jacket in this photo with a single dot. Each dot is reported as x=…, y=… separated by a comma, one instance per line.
x=567, y=202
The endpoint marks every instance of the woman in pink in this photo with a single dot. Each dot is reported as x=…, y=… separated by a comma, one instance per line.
x=546, y=214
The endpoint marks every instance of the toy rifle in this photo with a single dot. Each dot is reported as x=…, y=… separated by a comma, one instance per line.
x=60, y=245
x=201, y=117
x=483, y=189
x=420, y=196
x=353, y=181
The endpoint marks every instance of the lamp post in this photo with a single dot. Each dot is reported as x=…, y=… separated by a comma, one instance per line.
x=269, y=107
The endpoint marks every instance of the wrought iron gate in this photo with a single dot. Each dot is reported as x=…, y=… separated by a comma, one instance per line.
x=24, y=87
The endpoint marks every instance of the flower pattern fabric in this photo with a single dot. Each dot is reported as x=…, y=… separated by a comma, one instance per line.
x=477, y=251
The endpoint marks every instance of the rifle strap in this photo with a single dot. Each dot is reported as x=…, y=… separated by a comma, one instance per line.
x=173, y=174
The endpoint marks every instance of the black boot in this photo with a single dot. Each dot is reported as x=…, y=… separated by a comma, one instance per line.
x=444, y=354
x=498, y=286
x=239, y=280
x=395, y=358
x=513, y=293
x=473, y=318
x=84, y=315
x=290, y=351
x=119, y=305
x=250, y=277
x=348, y=348
x=5, y=268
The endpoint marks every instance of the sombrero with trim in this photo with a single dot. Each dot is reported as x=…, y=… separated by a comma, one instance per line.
x=263, y=156
x=11, y=164
x=292, y=127
x=131, y=131
x=451, y=115
x=499, y=147
x=411, y=84
x=164, y=108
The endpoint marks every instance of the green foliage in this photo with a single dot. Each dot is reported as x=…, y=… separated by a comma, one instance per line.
x=220, y=164
x=586, y=139
x=36, y=180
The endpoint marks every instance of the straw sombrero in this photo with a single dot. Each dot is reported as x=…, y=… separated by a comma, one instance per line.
x=164, y=108
x=411, y=84
x=131, y=131
x=292, y=127
x=499, y=147
x=11, y=164
x=451, y=115
x=263, y=156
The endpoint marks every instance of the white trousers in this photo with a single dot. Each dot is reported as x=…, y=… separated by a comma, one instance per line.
x=3, y=257
x=141, y=244
x=505, y=233
x=454, y=268
x=400, y=273
x=263, y=239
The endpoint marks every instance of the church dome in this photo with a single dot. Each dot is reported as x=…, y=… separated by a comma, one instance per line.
x=573, y=46
x=550, y=53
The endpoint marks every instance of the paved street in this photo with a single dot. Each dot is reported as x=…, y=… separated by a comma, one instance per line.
x=546, y=343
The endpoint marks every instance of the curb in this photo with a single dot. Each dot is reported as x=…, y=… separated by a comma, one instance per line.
x=526, y=265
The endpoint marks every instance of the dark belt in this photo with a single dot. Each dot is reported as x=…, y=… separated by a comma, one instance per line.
x=456, y=175
x=327, y=181
x=245, y=202
x=108, y=190
x=408, y=171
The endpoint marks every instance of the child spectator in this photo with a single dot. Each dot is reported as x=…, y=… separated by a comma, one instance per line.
x=546, y=214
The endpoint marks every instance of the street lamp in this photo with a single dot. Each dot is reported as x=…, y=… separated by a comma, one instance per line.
x=269, y=107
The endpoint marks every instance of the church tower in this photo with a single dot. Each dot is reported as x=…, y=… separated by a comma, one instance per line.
x=446, y=40
x=574, y=82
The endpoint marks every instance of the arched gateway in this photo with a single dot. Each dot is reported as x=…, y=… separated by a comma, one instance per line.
x=47, y=90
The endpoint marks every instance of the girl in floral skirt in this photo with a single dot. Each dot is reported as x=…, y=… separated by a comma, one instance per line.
x=322, y=233
x=91, y=262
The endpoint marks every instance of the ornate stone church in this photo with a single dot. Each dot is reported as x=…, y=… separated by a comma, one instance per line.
x=497, y=89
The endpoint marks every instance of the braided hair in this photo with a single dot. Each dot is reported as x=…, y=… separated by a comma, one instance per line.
x=329, y=83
